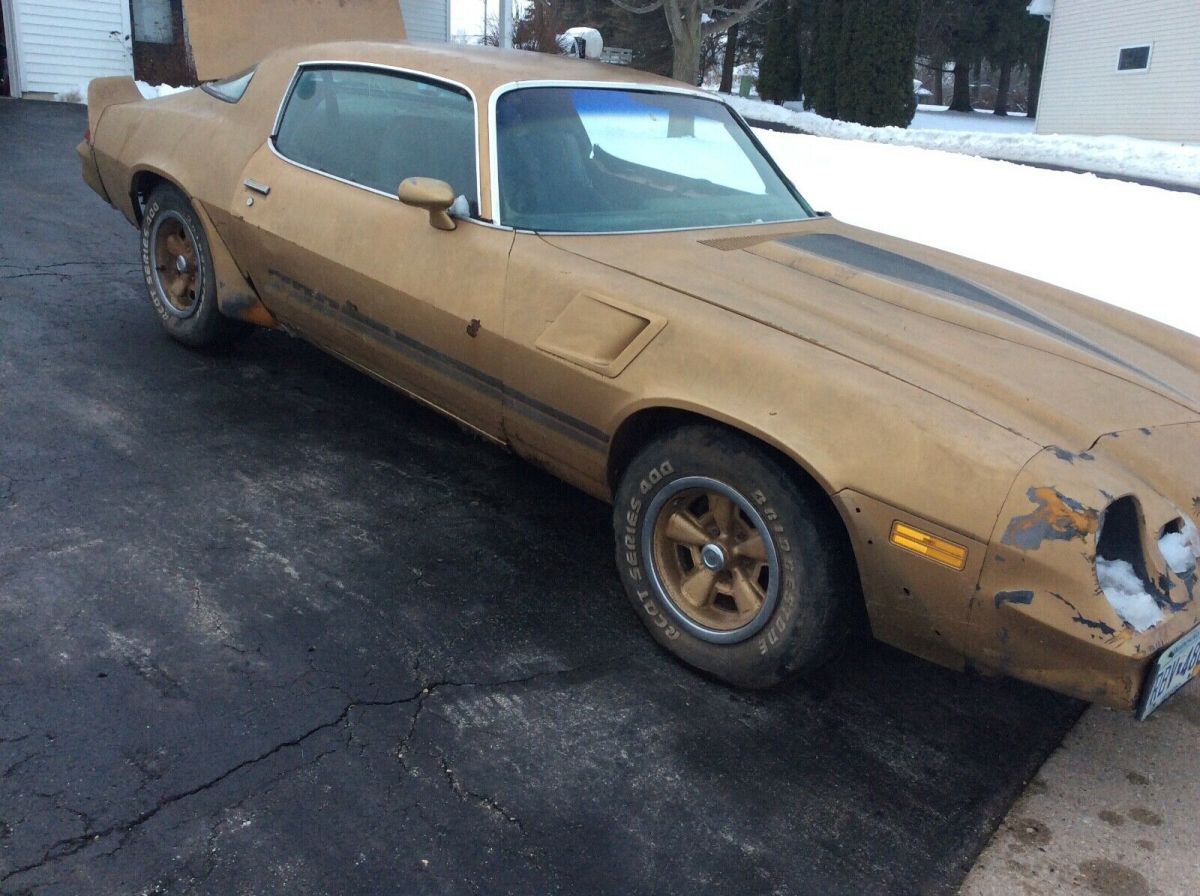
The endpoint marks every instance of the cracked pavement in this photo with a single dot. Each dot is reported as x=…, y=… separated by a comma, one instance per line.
x=268, y=627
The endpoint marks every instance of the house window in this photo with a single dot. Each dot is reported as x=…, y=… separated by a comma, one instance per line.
x=1134, y=59
x=152, y=21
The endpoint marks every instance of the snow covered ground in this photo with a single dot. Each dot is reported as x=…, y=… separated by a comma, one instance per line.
x=1130, y=245
x=939, y=118
x=1150, y=159
x=150, y=91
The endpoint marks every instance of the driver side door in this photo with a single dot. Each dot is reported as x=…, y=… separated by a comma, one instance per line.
x=338, y=258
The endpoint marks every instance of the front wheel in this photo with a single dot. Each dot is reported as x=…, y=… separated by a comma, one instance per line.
x=178, y=269
x=731, y=564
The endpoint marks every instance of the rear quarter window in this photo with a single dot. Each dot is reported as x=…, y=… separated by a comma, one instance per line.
x=231, y=89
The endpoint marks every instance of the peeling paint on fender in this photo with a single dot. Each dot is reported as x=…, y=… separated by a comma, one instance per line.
x=1013, y=597
x=1070, y=457
x=1057, y=518
x=1103, y=627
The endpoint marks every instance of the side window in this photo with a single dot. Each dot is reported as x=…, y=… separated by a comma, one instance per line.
x=231, y=89
x=377, y=128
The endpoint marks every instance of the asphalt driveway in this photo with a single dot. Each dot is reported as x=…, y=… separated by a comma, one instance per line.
x=267, y=627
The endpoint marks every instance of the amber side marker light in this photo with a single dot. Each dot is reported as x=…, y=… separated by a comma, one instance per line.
x=928, y=545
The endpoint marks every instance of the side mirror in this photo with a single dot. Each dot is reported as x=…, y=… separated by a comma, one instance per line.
x=435, y=196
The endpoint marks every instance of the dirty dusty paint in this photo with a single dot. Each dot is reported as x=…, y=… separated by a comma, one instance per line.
x=1057, y=518
x=1013, y=597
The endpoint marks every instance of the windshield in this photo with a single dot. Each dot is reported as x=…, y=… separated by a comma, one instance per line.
x=595, y=160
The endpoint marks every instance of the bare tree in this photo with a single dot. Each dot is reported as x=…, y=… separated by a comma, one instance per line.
x=685, y=19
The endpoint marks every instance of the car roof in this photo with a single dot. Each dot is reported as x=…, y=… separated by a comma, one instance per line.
x=481, y=69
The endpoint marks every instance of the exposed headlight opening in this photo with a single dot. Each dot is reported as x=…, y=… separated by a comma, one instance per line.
x=1121, y=566
x=1179, y=545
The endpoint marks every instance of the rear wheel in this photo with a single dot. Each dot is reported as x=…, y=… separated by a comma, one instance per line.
x=178, y=269
x=732, y=565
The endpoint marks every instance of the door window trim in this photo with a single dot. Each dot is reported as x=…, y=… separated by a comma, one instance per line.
x=390, y=69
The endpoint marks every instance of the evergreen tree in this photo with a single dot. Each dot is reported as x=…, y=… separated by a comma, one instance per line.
x=970, y=33
x=875, y=73
x=779, y=71
x=968, y=38
x=933, y=42
x=1032, y=53
x=863, y=61
x=821, y=83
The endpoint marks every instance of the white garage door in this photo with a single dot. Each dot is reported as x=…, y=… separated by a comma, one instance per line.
x=63, y=44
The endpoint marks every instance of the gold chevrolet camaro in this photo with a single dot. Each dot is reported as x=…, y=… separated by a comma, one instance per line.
x=800, y=424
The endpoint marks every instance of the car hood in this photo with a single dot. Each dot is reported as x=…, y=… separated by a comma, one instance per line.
x=228, y=36
x=1053, y=366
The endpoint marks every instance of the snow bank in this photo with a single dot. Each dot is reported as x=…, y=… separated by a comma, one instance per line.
x=1116, y=241
x=1127, y=594
x=149, y=91
x=1175, y=163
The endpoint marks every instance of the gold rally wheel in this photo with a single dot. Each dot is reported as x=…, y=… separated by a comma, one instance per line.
x=178, y=270
x=712, y=557
x=736, y=564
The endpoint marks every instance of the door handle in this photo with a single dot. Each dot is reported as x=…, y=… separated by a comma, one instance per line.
x=257, y=186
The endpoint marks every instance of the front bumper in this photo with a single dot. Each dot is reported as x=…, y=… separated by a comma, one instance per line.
x=1039, y=613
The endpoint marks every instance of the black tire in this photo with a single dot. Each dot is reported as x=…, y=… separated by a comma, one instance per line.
x=817, y=598
x=192, y=315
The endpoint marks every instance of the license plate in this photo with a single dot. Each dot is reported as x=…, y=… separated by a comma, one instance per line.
x=1175, y=667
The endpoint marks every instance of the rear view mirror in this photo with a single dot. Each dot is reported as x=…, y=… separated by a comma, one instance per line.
x=435, y=196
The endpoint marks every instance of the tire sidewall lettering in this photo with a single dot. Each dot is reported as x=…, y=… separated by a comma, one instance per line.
x=655, y=476
x=148, y=218
x=630, y=554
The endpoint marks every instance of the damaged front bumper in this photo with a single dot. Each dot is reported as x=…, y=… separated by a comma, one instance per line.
x=1040, y=613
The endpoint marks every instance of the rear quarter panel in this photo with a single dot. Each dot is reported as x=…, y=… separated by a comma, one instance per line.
x=193, y=139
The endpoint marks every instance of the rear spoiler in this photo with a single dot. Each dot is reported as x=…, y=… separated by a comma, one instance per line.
x=105, y=92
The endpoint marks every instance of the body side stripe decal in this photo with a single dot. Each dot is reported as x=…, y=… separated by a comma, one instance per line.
x=544, y=414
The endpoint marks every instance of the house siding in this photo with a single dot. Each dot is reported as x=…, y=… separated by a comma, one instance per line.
x=426, y=19
x=1082, y=91
x=63, y=44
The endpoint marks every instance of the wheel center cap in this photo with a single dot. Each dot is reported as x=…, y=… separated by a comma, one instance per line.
x=713, y=556
x=181, y=264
